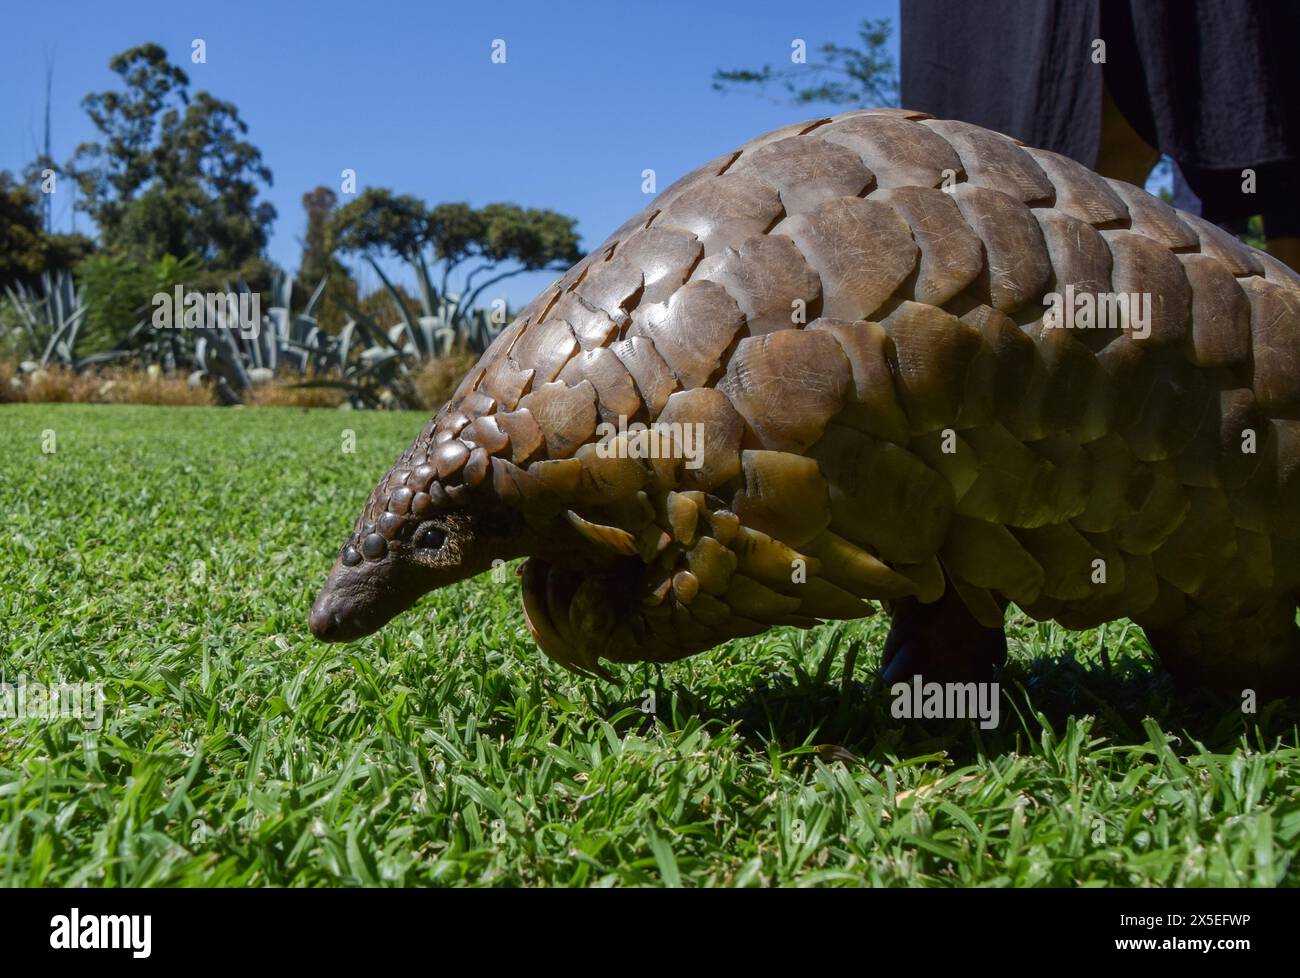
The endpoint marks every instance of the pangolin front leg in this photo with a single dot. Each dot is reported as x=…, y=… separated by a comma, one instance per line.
x=941, y=642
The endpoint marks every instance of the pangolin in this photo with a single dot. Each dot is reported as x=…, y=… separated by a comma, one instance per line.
x=876, y=357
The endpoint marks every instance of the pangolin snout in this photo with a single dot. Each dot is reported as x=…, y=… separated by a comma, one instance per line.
x=357, y=601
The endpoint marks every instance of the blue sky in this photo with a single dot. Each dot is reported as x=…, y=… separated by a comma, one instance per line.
x=406, y=94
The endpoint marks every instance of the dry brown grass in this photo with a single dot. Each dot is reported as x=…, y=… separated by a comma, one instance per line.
x=9, y=393
x=280, y=393
x=59, y=385
x=140, y=387
x=438, y=379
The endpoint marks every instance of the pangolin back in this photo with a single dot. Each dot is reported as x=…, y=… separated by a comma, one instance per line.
x=853, y=310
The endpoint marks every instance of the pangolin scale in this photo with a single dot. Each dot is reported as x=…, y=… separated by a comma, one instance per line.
x=853, y=315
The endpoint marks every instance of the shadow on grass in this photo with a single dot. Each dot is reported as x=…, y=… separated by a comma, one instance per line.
x=855, y=715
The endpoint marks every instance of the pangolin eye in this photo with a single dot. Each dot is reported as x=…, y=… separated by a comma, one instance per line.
x=430, y=537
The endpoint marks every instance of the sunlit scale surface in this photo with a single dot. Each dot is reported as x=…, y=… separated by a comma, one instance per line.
x=852, y=310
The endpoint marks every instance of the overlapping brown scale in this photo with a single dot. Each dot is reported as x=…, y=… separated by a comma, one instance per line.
x=883, y=496
x=566, y=415
x=1161, y=503
x=615, y=389
x=611, y=286
x=1285, y=522
x=712, y=565
x=1202, y=543
x=1080, y=193
x=856, y=570
x=690, y=332
x=653, y=377
x=1175, y=403
x=706, y=432
x=807, y=171
x=1276, y=272
x=987, y=555
x=1067, y=391
x=1072, y=474
x=559, y=476
x=951, y=456
x=505, y=382
x=544, y=348
x=787, y=386
x=1014, y=486
x=771, y=562
x=1112, y=464
x=769, y=280
x=467, y=386
x=1066, y=557
x=724, y=211
x=862, y=250
x=952, y=257
x=874, y=408
x=612, y=538
x=934, y=350
x=819, y=598
x=900, y=152
x=665, y=256
x=591, y=327
x=526, y=438
x=994, y=161
x=1275, y=345
x=777, y=135
x=981, y=603
x=1000, y=372
x=750, y=599
x=1238, y=416
x=1220, y=332
x=450, y=457
x=927, y=578
x=682, y=514
x=1144, y=268
x=476, y=467
x=1018, y=266
x=700, y=175
x=519, y=488
x=486, y=433
x=1153, y=218
x=1223, y=247
x=1081, y=266
x=784, y=496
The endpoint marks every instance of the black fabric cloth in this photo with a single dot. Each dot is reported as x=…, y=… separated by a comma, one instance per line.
x=1021, y=67
x=1214, y=84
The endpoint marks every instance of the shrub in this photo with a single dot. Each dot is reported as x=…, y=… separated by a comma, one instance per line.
x=438, y=378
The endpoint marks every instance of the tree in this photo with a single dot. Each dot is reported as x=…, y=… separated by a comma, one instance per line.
x=171, y=174
x=476, y=247
x=26, y=250
x=846, y=75
x=318, y=262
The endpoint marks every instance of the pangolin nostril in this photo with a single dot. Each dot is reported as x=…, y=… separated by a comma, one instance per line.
x=322, y=622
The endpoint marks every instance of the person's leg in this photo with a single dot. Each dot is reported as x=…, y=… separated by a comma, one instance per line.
x=941, y=642
x=1285, y=250
x=1122, y=154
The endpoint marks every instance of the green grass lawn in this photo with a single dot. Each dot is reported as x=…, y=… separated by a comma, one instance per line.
x=172, y=554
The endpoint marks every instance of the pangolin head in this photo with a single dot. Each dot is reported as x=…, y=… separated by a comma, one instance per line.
x=438, y=516
x=424, y=526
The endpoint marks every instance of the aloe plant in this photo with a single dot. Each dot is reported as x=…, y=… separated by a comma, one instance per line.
x=373, y=364
x=52, y=318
